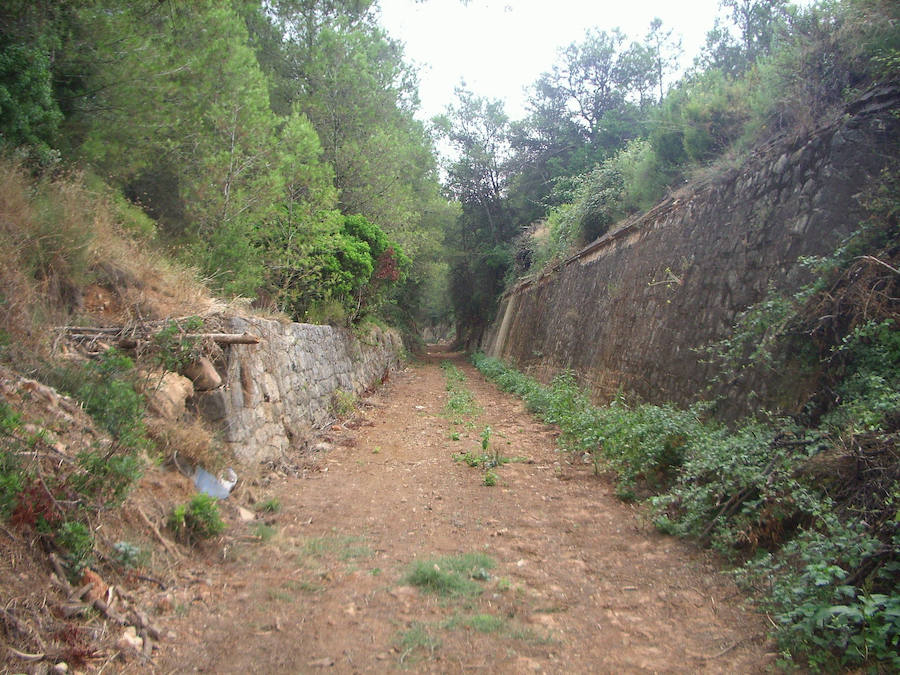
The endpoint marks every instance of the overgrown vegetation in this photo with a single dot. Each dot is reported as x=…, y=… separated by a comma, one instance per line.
x=274, y=148
x=144, y=147
x=610, y=132
x=56, y=497
x=272, y=145
x=807, y=504
x=827, y=569
x=57, y=237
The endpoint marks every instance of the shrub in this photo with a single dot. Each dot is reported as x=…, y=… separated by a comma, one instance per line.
x=106, y=389
x=173, y=350
x=343, y=403
x=331, y=268
x=74, y=538
x=819, y=601
x=826, y=569
x=10, y=486
x=631, y=179
x=106, y=478
x=128, y=555
x=11, y=478
x=197, y=520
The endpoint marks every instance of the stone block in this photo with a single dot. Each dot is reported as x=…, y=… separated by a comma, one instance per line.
x=203, y=375
x=167, y=394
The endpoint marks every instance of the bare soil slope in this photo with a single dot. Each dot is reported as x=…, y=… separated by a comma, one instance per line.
x=581, y=585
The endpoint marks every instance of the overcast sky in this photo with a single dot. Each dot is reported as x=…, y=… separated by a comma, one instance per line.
x=498, y=47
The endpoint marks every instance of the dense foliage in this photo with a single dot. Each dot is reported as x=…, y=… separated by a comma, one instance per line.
x=609, y=131
x=248, y=131
x=806, y=503
x=825, y=567
x=273, y=145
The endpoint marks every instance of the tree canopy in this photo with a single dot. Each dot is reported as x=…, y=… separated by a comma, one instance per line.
x=254, y=133
x=609, y=128
x=251, y=131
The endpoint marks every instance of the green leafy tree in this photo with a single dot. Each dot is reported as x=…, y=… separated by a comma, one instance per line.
x=583, y=110
x=478, y=130
x=339, y=68
x=28, y=112
x=639, y=71
x=186, y=120
x=664, y=49
x=745, y=34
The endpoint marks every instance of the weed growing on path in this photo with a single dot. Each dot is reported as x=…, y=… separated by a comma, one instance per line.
x=272, y=505
x=416, y=639
x=451, y=576
x=483, y=623
x=471, y=459
x=489, y=459
x=264, y=532
x=343, y=403
x=346, y=548
x=277, y=595
x=461, y=407
x=498, y=626
x=487, y=448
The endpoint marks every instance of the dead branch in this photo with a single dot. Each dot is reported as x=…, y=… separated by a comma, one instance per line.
x=24, y=656
x=102, y=607
x=60, y=572
x=132, y=340
x=10, y=618
x=873, y=259
x=170, y=547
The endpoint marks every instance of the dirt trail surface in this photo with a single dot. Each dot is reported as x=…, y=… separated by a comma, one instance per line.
x=581, y=583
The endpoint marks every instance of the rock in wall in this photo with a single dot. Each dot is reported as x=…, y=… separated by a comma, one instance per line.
x=275, y=391
x=630, y=310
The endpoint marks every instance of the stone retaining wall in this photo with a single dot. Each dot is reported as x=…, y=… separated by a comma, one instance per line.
x=274, y=392
x=630, y=310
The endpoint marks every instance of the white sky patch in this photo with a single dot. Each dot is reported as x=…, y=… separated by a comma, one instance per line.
x=500, y=47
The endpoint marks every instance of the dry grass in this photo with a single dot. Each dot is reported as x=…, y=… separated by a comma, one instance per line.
x=20, y=298
x=194, y=442
x=58, y=238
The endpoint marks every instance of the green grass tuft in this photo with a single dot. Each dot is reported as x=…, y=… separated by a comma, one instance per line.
x=451, y=576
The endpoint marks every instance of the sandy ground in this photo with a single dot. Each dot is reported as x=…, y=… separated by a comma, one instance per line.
x=582, y=583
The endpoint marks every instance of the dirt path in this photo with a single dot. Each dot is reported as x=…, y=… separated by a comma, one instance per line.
x=581, y=584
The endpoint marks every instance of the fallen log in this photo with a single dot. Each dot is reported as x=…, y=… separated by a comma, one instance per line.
x=131, y=341
x=218, y=338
